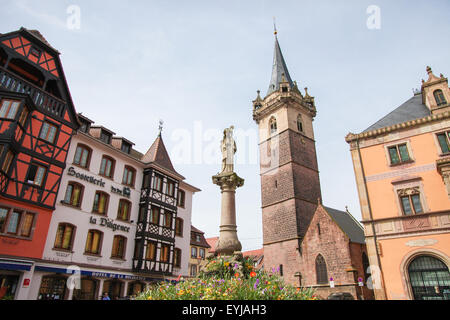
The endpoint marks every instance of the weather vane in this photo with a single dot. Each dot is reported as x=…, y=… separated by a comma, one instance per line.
x=160, y=126
x=274, y=27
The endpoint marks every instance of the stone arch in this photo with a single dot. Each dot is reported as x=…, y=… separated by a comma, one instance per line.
x=409, y=258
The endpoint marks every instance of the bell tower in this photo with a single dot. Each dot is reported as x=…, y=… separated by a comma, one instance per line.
x=290, y=187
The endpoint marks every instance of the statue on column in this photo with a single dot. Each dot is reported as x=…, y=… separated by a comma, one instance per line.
x=228, y=148
x=228, y=181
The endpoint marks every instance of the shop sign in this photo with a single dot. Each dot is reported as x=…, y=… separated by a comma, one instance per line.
x=26, y=283
x=99, y=182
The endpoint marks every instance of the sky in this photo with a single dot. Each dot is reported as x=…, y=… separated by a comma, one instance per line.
x=197, y=65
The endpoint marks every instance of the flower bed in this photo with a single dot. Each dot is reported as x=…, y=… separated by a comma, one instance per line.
x=229, y=278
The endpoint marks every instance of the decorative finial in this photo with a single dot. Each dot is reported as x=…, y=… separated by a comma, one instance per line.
x=274, y=27
x=428, y=69
x=319, y=200
x=306, y=92
x=160, y=126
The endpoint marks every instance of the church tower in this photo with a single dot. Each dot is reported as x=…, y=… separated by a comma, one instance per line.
x=290, y=184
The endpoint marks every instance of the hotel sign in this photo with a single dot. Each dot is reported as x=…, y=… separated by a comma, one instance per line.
x=71, y=172
x=108, y=223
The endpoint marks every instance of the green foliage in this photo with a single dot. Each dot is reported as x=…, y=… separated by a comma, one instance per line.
x=229, y=278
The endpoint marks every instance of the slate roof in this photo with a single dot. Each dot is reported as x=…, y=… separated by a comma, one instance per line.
x=157, y=153
x=410, y=110
x=348, y=224
x=278, y=69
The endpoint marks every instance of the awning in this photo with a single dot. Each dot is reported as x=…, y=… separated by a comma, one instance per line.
x=98, y=274
x=14, y=265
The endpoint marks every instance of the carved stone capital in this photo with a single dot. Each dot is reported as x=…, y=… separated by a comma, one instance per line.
x=228, y=181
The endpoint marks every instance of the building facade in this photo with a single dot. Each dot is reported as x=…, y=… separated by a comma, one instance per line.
x=402, y=167
x=199, y=251
x=105, y=211
x=37, y=121
x=290, y=192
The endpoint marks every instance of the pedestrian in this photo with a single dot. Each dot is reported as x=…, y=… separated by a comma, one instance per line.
x=105, y=296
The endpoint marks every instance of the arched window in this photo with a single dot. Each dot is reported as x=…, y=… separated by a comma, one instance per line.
x=273, y=125
x=74, y=194
x=299, y=123
x=101, y=200
x=430, y=278
x=107, y=167
x=439, y=97
x=64, y=236
x=129, y=175
x=82, y=156
x=118, y=249
x=321, y=270
x=123, y=212
x=93, y=242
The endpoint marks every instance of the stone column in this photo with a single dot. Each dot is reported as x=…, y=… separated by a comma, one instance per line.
x=228, y=241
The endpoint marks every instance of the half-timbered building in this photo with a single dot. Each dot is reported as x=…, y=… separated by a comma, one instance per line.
x=37, y=120
x=98, y=220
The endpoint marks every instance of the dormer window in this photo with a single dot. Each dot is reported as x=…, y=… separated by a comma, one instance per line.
x=105, y=137
x=85, y=126
x=439, y=97
x=284, y=89
x=126, y=147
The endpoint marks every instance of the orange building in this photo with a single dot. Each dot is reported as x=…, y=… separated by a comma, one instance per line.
x=402, y=169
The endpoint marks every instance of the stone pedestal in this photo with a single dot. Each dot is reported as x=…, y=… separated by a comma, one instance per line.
x=228, y=241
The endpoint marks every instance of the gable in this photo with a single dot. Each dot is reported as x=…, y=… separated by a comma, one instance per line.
x=33, y=53
x=329, y=229
x=32, y=58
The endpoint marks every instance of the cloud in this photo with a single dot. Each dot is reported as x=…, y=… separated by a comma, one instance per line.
x=39, y=15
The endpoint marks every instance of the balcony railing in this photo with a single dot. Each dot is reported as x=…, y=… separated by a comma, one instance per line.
x=41, y=99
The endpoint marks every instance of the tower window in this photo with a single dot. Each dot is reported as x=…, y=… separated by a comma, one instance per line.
x=299, y=123
x=439, y=97
x=273, y=125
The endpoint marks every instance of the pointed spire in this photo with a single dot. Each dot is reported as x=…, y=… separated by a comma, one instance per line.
x=279, y=69
x=158, y=154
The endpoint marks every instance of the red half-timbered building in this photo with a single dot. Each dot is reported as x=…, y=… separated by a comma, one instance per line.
x=37, y=120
